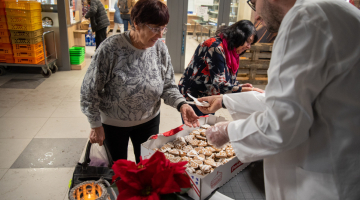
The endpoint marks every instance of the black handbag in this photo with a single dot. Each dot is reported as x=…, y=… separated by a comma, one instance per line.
x=83, y=172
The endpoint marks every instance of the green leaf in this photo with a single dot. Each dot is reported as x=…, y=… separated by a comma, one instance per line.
x=184, y=190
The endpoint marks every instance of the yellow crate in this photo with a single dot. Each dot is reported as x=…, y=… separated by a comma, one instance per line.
x=23, y=5
x=23, y=13
x=23, y=20
x=2, y=18
x=25, y=27
x=25, y=34
x=26, y=40
x=28, y=53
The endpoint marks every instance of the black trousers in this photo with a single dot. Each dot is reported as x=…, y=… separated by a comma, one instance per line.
x=117, y=138
x=100, y=36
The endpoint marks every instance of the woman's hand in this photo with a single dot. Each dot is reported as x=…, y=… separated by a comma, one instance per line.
x=97, y=135
x=214, y=101
x=247, y=85
x=249, y=89
x=189, y=116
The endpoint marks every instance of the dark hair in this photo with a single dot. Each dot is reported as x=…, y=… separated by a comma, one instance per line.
x=150, y=12
x=238, y=33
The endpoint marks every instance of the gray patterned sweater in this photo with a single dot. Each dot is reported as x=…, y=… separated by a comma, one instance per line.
x=123, y=85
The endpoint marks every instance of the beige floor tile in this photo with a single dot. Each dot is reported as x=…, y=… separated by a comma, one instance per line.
x=41, y=183
x=33, y=109
x=68, y=109
x=14, y=95
x=65, y=128
x=2, y=172
x=73, y=95
x=10, y=150
x=47, y=94
x=6, y=105
x=20, y=128
x=54, y=84
x=67, y=75
x=5, y=79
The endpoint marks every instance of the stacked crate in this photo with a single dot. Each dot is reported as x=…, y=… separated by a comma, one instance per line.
x=6, y=52
x=77, y=55
x=25, y=25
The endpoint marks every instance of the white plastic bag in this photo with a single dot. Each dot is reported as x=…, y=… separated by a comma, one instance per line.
x=241, y=105
x=98, y=156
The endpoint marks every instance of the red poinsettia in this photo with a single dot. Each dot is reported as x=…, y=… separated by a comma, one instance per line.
x=150, y=177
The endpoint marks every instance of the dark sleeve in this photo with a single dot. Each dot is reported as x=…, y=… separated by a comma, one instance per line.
x=220, y=76
x=92, y=11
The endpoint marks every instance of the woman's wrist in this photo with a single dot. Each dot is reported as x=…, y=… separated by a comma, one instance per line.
x=180, y=104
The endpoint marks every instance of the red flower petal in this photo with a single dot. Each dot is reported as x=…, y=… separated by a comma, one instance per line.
x=164, y=183
x=183, y=180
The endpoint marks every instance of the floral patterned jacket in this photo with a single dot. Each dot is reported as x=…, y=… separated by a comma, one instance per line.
x=207, y=73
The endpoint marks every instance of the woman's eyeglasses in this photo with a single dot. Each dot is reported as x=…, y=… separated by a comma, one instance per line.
x=157, y=30
x=252, y=5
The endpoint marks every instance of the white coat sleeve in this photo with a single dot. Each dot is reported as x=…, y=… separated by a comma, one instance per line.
x=297, y=74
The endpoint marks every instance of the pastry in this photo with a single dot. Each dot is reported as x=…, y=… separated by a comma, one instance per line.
x=210, y=149
x=205, y=126
x=182, y=153
x=155, y=149
x=207, y=152
x=205, y=168
x=195, y=132
x=174, y=152
x=194, y=164
x=199, y=162
x=192, y=153
x=203, y=132
x=202, y=143
x=200, y=137
x=216, y=149
x=230, y=152
x=165, y=148
x=168, y=156
x=212, y=156
x=199, y=172
x=199, y=157
x=210, y=162
x=170, y=144
x=189, y=138
x=187, y=148
x=185, y=158
x=198, y=149
x=175, y=159
x=221, y=154
x=191, y=170
x=194, y=142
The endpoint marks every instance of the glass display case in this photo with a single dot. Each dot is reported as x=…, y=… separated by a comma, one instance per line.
x=233, y=17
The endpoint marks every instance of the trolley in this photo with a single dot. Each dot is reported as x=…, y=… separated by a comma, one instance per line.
x=48, y=65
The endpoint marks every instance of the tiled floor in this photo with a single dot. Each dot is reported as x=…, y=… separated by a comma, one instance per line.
x=43, y=134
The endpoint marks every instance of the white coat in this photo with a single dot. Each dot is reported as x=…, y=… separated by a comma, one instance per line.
x=307, y=129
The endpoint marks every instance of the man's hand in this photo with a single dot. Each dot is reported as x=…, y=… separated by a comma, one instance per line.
x=214, y=101
x=189, y=116
x=97, y=135
x=217, y=135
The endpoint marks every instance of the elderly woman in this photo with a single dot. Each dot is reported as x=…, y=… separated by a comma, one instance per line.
x=129, y=75
x=214, y=65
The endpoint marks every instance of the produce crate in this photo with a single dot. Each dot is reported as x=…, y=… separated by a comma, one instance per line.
x=4, y=32
x=2, y=12
x=6, y=48
x=25, y=27
x=77, y=51
x=23, y=20
x=76, y=60
x=6, y=58
x=27, y=47
x=26, y=34
x=29, y=60
x=26, y=40
x=3, y=25
x=24, y=5
x=5, y=39
x=22, y=13
x=2, y=18
x=28, y=53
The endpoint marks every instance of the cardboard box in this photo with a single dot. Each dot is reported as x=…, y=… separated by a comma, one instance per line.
x=84, y=26
x=202, y=186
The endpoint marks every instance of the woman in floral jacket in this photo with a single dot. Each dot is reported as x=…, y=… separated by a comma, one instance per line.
x=213, y=67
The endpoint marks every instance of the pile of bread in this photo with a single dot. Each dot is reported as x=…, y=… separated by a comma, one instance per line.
x=203, y=158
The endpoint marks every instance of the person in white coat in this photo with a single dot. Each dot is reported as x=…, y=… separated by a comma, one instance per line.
x=307, y=127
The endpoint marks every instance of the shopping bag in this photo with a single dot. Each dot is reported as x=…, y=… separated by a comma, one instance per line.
x=84, y=172
x=98, y=156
